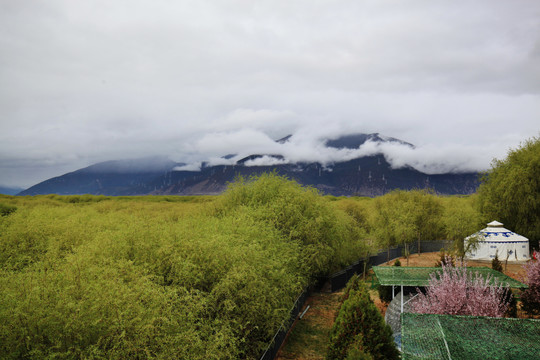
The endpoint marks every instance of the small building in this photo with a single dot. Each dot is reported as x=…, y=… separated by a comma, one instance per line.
x=496, y=240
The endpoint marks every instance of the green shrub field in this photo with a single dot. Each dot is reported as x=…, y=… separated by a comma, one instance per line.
x=182, y=277
x=163, y=277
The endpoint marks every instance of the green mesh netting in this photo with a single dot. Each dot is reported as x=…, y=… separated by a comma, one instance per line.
x=428, y=336
x=419, y=276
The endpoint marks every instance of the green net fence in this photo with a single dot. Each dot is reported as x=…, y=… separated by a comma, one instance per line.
x=429, y=336
x=419, y=276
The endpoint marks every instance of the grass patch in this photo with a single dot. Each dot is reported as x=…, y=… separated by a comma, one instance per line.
x=309, y=337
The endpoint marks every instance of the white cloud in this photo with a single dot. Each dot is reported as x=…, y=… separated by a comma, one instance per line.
x=191, y=79
x=433, y=159
x=234, y=141
x=273, y=122
x=266, y=161
x=430, y=159
x=188, y=167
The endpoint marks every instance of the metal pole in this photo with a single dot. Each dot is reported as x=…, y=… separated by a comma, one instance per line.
x=402, y=298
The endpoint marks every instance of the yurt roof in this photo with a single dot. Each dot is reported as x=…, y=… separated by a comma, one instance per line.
x=496, y=232
x=495, y=223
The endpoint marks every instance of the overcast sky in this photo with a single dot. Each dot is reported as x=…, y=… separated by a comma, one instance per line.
x=88, y=81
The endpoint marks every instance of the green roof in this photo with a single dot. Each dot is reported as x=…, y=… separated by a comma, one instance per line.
x=431, y=336
x=419, y=276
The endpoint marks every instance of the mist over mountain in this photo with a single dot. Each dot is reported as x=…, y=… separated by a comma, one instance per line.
x=354, y=164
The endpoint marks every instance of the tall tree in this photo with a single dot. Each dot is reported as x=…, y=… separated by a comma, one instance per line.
x=383, y=224
x=427, y=212
x=461, y=219
x=394, y=221
x=510, y=191
x=405, y=216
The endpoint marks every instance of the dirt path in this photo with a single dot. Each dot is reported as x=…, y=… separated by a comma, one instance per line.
x=309, y=337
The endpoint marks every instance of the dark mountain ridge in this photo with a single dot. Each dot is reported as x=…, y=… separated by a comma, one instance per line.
x=115, y=177
x=7, y=190
x=354, y=141
x=364, y=176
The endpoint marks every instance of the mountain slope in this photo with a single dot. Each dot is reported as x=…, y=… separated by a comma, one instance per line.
x=118, y=177
x=365, y=176
x=9, y=190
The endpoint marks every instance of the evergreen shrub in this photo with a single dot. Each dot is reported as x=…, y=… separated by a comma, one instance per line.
x=360, y=326
x=356, y=351
x=496, y=263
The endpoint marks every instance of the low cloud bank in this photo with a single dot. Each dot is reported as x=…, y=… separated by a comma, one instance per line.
x=310, y=147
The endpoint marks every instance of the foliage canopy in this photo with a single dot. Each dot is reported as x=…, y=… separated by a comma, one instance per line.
x=163, y=277
x=510, y=191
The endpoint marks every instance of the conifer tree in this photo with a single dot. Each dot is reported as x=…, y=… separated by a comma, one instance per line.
x=360, y=326
x=496, y=263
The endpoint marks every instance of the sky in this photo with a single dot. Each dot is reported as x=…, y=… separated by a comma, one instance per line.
x=89, y=81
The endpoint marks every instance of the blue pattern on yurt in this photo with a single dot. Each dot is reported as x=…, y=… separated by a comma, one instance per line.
x=505, y=234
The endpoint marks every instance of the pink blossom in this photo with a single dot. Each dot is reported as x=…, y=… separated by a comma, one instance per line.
x=455, y=291
x=531, y=296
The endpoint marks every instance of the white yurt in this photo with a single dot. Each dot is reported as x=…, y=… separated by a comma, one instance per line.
x=495, y=239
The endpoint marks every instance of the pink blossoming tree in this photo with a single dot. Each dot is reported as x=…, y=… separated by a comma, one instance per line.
x=455, y=291
x=531, y=296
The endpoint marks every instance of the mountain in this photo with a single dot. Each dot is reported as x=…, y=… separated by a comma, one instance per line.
x=117, y=177
x=354, y=141
x=363, y=176
x=6, y=190
x=366, y=176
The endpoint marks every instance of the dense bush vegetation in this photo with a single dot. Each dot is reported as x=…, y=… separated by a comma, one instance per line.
x=158, y=277
x=359, y=331
x=329, y=239
x=132, y=281
x=5, y=210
